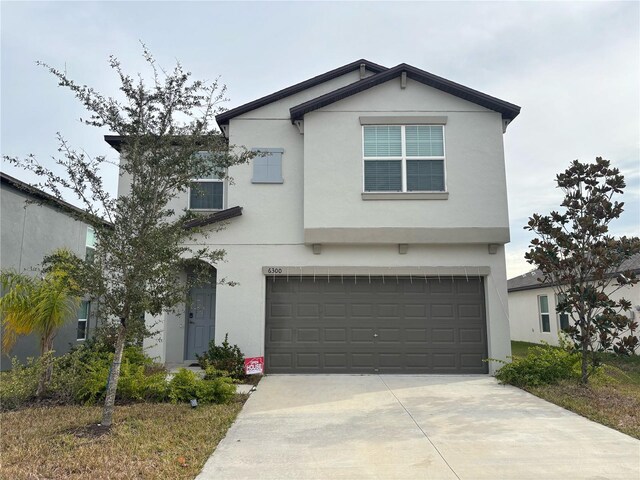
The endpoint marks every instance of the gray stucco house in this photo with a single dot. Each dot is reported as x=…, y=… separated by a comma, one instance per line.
x=368, y=238
x=33, y=224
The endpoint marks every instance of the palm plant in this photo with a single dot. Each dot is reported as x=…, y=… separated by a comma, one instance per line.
x=37, y=305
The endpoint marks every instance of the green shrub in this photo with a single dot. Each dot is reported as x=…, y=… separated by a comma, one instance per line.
x=225, y=357
x=186, y=385
x=543, y=365
x=18, y=385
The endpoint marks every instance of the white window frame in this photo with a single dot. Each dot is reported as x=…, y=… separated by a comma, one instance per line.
x=86, y=322
x=404, y=159
x=209, y=180
x=541, y=313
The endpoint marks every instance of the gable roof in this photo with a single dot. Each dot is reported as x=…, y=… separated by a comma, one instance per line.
x=44, y=197
x=223, y=118
x=529, y=281
x=508, y=110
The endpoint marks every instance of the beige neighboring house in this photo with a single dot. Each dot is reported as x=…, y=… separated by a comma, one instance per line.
x=369, y=237
x=532, y=305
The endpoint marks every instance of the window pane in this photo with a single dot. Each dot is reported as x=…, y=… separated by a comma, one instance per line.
x=91, y=237
x=83, y=312
x=546, y=327
x=382, y=176
x=206, y=195
x=383, y=141
x=425, y=175
x=544, y=304
x=424, y=141
x=564, y=321
x=89, y=254
x=82, y=330
x=217, y=173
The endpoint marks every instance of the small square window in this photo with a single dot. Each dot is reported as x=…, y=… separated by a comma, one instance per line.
x=267, y=165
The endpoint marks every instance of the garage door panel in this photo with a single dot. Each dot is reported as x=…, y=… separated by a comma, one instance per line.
x=362, y=335
x=383, y=325
x=335, y=335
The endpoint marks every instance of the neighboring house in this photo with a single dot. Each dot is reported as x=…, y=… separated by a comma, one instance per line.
x=32, y=225
x=532, y=305
x=368, y=238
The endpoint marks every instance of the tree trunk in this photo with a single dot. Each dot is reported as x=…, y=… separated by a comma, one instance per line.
x=46, y=346
x=114, y=375
x=584, y=379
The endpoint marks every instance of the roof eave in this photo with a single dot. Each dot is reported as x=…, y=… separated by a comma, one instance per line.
x=508, y=110
x=225, y=117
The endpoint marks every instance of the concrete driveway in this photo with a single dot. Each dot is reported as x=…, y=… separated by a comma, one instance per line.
x=413, y=427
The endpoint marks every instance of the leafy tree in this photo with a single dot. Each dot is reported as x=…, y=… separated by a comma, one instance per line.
x=578, y=257
x=164, y=126
x=38, y=305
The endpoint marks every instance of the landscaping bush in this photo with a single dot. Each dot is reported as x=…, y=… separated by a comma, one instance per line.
x=80, y=377
x=225, y=357
x=18, y=385
x=186, y=385
x=542, y=365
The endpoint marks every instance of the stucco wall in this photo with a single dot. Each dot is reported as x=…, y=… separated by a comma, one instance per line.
x=322, y=187
x=29, y=232
x=525, y=321
x=474, y=163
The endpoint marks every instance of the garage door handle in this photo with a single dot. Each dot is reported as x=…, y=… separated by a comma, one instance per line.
x=375, y=335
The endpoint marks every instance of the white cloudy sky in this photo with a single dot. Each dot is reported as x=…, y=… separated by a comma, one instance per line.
x=573, y=67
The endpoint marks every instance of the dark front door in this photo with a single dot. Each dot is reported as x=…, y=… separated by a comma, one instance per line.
x=200, y=320
x=375, y=325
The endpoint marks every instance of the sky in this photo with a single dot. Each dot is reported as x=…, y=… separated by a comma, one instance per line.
x=573, y=67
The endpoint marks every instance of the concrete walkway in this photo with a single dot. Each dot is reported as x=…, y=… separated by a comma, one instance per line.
x=413, y=427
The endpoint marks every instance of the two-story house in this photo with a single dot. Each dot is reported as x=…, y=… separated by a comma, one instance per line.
x=369, y=235
x=34, y=224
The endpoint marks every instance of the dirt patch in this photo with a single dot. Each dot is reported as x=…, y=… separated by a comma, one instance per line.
x=94, y=430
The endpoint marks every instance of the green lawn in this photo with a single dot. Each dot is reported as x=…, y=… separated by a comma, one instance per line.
x=611, y=398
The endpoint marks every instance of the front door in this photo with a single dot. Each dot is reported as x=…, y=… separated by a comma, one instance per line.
x=200, y=320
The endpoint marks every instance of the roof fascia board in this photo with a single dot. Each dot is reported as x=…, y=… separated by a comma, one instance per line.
x=508, y=110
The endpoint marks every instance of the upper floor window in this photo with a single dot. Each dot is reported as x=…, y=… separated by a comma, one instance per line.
x=543, y=310
x=207, y=193
x=90, y=244
x=404, y=158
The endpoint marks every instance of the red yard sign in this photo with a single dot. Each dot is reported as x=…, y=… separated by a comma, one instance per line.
x=253, y=365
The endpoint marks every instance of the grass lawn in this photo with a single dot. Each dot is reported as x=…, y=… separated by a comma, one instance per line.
x=147, y=440
x=612, y=398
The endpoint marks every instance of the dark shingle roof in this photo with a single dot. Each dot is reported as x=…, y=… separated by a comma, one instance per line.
x=508, y=110
x=529, y=281
x=40, y=196
x=214, y=217
x=224, y=117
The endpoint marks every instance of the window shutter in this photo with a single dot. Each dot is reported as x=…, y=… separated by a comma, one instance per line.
x=267, y=167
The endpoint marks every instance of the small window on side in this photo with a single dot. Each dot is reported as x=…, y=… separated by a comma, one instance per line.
x=83, y=320
x=267, y=165
x=90, y=244
x=543, y=309
x=563, y=317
